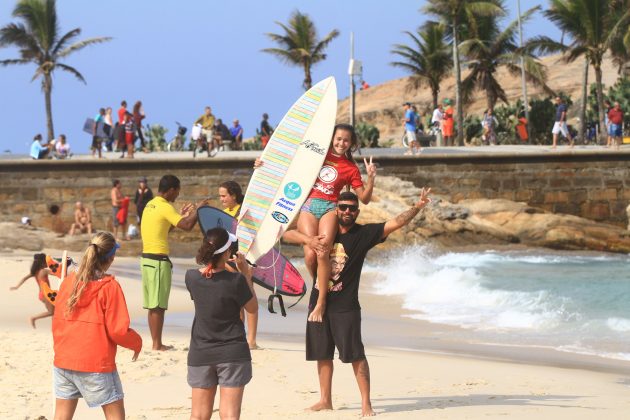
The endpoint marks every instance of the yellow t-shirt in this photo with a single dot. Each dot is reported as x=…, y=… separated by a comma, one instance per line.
x=157, y=218
x=233, y=211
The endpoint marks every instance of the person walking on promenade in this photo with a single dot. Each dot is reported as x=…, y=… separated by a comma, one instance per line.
x=219, y=356
x=97, y=141
x=448, y=124
x=615, y=118
x=90, y=322
x=207, y=124
x=138, y=116
x=265, y=130
x=82, y=219
x=119, y=130
x=341, y=326
x=130, y=136
x=109, y=129
x=158, y=218
x=409, y=124
x=489, y=123
x=143, y=196
x=560, y=125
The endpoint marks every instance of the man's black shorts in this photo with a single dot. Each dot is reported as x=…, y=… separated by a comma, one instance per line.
x=340, y=329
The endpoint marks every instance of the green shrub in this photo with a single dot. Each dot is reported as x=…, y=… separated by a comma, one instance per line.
x=368, y=134
x=156, y=137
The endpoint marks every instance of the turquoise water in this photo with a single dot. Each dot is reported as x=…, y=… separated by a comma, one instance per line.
x=575, y=302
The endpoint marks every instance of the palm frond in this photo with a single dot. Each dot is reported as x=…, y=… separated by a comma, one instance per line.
x=72, y=71
x=64, y=40
x=15, y=61
x=82, y=44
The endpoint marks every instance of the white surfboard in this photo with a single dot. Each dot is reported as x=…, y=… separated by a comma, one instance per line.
x=291, y=162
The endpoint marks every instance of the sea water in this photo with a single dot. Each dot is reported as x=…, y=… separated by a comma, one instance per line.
x=567, y=301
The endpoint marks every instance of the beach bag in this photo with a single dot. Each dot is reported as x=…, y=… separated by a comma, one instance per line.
x=121, y=216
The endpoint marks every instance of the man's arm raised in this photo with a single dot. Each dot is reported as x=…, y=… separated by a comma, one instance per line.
x=405, y=217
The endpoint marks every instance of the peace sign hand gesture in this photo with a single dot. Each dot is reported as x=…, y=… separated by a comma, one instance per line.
x=370, y=168
x=424, y=198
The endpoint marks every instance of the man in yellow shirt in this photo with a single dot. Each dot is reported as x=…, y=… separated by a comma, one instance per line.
x=158, y=218
x=207, y=123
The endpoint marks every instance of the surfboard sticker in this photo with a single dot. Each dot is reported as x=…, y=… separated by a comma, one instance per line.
x=291, y=161
x=272, y=268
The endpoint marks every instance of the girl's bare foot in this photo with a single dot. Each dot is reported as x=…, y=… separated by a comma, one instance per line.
x=367, y=411
x=32, y=319
x=164, y=348
x=254, y=346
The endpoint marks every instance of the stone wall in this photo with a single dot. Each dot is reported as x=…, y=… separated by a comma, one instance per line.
x=592, y=185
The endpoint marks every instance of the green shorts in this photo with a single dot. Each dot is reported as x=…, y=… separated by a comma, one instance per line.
x=157, y=272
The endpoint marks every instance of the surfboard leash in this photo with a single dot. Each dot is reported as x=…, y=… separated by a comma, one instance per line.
x=275, y=278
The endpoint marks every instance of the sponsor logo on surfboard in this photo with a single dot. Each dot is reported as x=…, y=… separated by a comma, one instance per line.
x=311, y=145
x=280, y=217
x=283, y=203
x=292, y=190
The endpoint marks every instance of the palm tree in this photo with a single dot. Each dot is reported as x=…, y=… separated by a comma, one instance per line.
x=39, y=41
x=428, y=59
x=458, y=15
x=491, y=48
x=299, y=46
x=593, y=26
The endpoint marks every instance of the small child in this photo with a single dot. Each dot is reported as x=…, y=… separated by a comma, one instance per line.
x=40, y=271
x=90, y=323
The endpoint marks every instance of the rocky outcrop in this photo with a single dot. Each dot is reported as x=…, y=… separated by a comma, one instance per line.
x=490, y=222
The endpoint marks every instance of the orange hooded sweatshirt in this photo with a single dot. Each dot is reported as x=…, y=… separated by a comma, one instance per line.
x=86, y=339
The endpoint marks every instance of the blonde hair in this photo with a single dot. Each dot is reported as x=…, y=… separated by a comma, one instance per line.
x=94, y=259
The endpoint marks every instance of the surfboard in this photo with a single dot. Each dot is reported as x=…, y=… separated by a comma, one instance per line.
x=88, y=127
x=291, y=162
x=273, y=268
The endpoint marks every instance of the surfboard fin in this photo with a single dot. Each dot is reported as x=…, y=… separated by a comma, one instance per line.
x=280, y=301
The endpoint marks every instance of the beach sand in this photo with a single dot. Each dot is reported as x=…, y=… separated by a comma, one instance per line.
x=405, y=384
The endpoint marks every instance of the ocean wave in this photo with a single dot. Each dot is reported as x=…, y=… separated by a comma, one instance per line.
x=449, y=289
x=618, y=324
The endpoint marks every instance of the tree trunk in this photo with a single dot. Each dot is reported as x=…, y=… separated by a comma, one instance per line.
x=582, y=134
x=459, y=110
x=308, y=81
x=434, y=94
x=603, y=133
x=47, y=95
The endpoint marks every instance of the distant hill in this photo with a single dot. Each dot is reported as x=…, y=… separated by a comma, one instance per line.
x=381, y=105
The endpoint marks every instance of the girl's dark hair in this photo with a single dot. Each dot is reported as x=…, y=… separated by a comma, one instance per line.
x=233, y=188
x=213, y=240
x=354, y=141
x=39, y=262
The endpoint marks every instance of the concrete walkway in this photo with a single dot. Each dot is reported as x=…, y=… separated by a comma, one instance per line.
x=428, y=151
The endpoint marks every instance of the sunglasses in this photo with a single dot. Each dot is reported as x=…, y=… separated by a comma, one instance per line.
x=351, y=207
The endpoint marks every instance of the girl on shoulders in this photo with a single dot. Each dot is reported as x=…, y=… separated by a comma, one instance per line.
x=90, y=323
x=219, y=355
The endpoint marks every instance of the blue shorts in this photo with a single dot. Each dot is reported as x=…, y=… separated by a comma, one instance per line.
x=614, y=130
x=97, y=389
x=318, y=207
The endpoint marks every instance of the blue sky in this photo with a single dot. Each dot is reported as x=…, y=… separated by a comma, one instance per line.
x=178, y=56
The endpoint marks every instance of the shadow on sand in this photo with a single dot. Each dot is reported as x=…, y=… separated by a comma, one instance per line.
x=398, y=405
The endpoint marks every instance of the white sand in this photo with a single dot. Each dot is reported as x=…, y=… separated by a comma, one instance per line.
x=404, y=384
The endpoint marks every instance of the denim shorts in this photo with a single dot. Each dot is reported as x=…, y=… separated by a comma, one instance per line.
x=318, y=207
x=615, y=130
x=97, y=389
x=229, y=375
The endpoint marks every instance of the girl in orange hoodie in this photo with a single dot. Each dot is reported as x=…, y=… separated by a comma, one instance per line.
x=91, y=320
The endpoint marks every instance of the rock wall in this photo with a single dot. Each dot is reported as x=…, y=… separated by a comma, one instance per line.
x=591, y=185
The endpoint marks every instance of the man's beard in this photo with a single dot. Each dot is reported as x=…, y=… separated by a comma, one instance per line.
x=345, y=222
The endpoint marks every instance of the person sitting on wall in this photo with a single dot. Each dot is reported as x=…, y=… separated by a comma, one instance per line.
x=40, y=151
